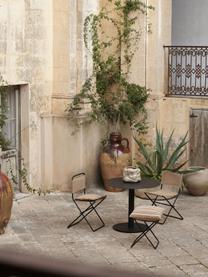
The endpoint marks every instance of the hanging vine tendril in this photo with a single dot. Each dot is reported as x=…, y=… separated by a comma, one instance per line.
x=112, y=97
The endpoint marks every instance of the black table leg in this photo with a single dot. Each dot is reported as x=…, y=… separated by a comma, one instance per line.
x=131, y=208
x=130, y=227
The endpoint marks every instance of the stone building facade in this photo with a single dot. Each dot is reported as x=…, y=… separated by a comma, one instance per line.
x=42, y=54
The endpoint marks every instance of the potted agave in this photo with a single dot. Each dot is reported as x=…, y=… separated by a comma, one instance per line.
x=165, y=155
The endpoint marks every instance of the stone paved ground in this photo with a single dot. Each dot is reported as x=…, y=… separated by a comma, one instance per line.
x=38, y=225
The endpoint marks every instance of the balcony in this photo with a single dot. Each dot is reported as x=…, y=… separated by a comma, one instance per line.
x=187, y=71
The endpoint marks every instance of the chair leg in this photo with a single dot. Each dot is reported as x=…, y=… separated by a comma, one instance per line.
x=144, y=233
x=80, y=217
x=171, y=205
x=152, y=200
x=84, y=213
x=94, y=208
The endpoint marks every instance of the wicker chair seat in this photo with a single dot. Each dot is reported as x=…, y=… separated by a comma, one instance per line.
x=163, y=193
x=89, y=197
x=141, y=192
x=147, y=213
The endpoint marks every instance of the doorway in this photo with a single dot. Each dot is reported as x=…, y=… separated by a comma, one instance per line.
x=11, y=155
x=199, y=137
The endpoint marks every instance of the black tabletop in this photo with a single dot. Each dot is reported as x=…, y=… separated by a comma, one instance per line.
x=144, y=183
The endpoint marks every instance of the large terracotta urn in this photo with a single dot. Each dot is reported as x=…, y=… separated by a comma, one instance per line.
x=196, y=182
x=114, y=158
x=6, y=200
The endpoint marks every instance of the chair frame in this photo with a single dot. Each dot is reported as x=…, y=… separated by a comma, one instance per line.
x=168, y=203
x=93, y=204
x=145, y=232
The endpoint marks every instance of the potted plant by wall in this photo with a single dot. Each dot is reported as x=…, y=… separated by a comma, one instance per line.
x=113, y=99
x=165, y=155
x=196, y=182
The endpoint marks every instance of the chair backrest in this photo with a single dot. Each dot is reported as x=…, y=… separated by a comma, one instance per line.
x=78, y=182
x=171, y=180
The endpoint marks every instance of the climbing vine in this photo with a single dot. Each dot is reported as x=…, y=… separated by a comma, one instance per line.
x=112, y=97
x=23, y=174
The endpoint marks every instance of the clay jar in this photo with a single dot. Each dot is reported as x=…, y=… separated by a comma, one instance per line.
x=116, y=147
x=6, y=200
x=114, y=158
x=197, y=182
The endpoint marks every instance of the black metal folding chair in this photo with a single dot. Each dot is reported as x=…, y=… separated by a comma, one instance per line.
x=79, y=195
x=150, y=216
x=171, y=184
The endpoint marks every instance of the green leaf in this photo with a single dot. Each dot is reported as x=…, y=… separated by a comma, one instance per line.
x=166, y=150
x=159, y=140
x=159, y=160
x=174, y=158
x=145, y=168
x=145, y=153
x=176, y=154
x=180, y=166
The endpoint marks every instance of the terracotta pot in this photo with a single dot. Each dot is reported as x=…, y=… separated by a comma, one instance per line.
x=115, y=157
x=196, y=182
x=6, y=200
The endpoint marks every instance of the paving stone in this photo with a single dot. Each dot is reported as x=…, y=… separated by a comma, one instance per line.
x=172, y=251
x=183, y=260
x=91, y=257
x=195, y=270
x=134, y=267
x=19, y=228
x=39, y=225
x=204, y=261
x=169, y=271
x=117, y=255
x=197, y=251
x=153, y=262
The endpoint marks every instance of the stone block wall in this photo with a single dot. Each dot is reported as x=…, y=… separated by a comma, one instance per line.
x=26, y=59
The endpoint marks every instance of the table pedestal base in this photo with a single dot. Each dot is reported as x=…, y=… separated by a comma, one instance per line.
x=124, y=227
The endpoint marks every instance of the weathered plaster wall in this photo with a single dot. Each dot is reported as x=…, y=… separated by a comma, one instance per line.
x=41, y=46
x=150, y=69
x=26, y=58
x=72, y=65
x=156, y=70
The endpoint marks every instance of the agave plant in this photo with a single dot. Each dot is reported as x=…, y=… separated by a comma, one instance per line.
x=163, y=157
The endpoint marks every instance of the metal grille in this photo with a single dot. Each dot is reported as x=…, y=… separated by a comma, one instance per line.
x=188, y=71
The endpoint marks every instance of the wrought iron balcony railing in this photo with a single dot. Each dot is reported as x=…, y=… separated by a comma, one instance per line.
x=187, y=71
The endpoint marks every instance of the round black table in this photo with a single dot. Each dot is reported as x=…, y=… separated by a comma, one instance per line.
x=130, y=227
